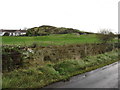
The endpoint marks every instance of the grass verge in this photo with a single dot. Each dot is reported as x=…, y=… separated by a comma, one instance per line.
x=40, y=76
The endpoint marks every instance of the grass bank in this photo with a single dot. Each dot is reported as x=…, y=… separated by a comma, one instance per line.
x=40, y=76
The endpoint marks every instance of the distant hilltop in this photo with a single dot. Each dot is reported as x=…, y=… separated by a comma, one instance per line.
x=41, y=31
x=47, y=30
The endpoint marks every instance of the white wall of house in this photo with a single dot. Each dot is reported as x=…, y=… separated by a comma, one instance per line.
x=2, y=33
x=13, y=33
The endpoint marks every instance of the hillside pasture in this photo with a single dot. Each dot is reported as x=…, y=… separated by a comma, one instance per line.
x=55, y=39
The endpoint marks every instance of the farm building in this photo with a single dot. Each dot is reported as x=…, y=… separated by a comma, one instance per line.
x=12, y=32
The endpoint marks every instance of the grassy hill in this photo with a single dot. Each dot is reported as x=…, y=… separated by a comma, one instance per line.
x=47, y=30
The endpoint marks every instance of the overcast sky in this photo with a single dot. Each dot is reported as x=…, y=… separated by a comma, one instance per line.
x=86, y=15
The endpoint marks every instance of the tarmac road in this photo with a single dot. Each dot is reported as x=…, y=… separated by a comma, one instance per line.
x=105, y=77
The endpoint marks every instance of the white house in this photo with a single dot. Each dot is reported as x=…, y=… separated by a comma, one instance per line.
x=12, y=32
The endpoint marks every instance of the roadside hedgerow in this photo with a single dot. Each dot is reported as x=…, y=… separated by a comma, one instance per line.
x=12, y=57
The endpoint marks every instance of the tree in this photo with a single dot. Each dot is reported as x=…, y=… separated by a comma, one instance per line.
x=105, y=35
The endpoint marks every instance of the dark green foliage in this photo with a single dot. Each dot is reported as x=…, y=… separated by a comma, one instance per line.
x=12, y=58
x=47, y=30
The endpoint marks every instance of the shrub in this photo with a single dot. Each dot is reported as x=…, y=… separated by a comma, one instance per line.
x=105, y=36
x=12, y=57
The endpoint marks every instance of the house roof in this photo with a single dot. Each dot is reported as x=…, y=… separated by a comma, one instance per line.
x=5, y=30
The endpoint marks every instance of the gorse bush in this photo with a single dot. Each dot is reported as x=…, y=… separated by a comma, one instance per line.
x=12, y=57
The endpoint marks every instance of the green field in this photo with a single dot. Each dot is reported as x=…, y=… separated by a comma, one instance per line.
x=58, y=39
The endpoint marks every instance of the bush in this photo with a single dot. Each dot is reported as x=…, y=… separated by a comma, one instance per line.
x=105, y=36
x=12, y=57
